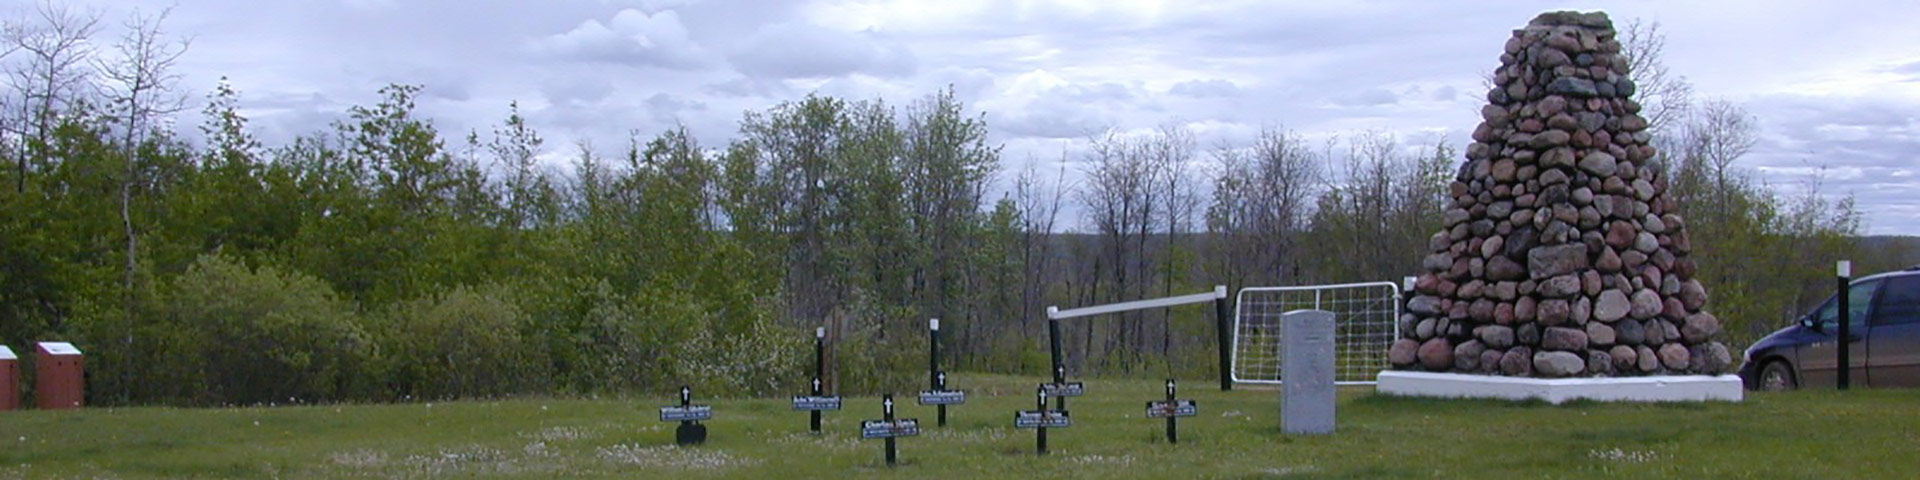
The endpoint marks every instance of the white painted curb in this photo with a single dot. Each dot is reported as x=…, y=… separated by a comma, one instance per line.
x=1676, y=388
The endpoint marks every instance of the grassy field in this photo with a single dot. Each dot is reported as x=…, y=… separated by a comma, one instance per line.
x=1860, y=434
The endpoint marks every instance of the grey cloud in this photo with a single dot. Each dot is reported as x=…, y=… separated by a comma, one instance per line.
x=1059, y=121
x=802, y=50
x=1911, y=69
x=1371, y=97
x=1206, y=88
x=577, y=89
x=667, y=108
x=630, y=37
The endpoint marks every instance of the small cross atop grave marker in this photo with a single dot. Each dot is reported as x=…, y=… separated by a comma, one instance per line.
x=1172, y=409
x=690, y=432
x=889, y=428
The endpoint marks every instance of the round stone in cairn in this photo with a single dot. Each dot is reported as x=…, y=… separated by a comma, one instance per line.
x=1613, y=306
x=1466, y=356
x=1437, y=355
x=1600, y=335
x=1700, y=327
x=1517, y=362
x=1495, y=336
x=1674, y=356
x=1629, y=333
x=1624, y=358
x=1599, y=362
x=1403, y=352
x=1645, y=304
x=1562, y=338
x=1490, y=360
x=1558, y=364
x=1711, y=358
x=1649, y=361
x=1656, y=334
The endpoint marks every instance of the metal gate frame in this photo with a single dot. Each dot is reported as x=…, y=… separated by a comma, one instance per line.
x=1239, y=302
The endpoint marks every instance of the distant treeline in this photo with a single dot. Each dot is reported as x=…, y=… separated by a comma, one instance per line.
x=378, y=260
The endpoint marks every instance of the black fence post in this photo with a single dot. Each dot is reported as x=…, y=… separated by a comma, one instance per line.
x=819, y=373
x=1059, y=364
x=1845, y=357
x=1223, y=329
x=936, y=379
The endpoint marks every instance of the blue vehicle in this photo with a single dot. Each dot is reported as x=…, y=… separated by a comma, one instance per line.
x=1883, y=344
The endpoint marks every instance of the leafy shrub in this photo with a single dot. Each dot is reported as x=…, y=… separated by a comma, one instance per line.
x=465, y=342
x=260, y=335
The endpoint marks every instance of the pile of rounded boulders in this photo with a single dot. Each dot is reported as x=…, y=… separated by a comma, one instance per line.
x=1561, y=254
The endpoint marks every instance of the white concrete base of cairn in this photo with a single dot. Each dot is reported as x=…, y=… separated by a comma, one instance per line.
x=1675, y=388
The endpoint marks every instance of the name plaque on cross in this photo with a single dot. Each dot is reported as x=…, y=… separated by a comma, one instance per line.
x=815, y=403
x=905, y=427
x=943, y=397
x=686, y=413
x=1070, y=389
x=1175, y=408
x=1042, y=419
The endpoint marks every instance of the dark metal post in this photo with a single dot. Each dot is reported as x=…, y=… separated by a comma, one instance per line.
x=1059, y=378
x=892, y=452
x=936, y=378
x=1173, y=432
x=1059, y=365
x=1223, y=329
x=819, y=373
x=1845, y=358
x=1040, y=434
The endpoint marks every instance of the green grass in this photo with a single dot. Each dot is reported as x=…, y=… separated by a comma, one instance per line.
x=1859, y=434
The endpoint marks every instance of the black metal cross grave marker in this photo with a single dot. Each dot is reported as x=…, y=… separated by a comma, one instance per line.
x=942, y=397
x=1172, y=409
x=889, y=428
x=1041, y=419
x=816, y=403
x=690, y=432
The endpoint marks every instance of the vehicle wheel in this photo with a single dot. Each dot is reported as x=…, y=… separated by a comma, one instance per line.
x=1777, y=377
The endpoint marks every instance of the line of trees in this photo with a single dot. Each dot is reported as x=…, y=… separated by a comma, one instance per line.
x=374, y=260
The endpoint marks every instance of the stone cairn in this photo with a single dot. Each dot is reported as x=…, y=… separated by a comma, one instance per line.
x=1561, y=255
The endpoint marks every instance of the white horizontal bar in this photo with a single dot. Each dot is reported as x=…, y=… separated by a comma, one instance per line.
x=1057, y=314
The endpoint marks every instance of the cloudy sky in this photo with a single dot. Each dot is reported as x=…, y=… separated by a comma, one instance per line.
x=1834, y=84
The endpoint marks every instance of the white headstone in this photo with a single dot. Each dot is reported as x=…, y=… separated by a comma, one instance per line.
x=1307, y=394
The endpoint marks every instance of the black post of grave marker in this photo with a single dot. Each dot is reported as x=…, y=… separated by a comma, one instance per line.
x=935, y=378
x=892, y=452
x=1845, y=359
x=1223, y=330
x=819, y=373
x=1040, y=434
x=1173, y=433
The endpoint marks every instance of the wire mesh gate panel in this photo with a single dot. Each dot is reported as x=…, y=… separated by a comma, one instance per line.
x=1364, y=328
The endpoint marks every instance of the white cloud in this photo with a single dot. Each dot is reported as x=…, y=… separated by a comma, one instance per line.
x=1212, y=87
x=630, y=37
x=803, y=50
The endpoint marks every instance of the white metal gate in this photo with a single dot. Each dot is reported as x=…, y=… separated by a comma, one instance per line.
x=1364, y=327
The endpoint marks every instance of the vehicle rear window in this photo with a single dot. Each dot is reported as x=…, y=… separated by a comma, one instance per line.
x=1899, y=301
